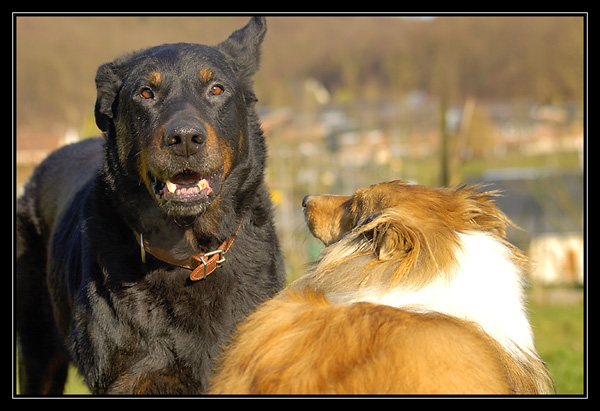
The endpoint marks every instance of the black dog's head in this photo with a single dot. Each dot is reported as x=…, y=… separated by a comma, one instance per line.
x=180, y=123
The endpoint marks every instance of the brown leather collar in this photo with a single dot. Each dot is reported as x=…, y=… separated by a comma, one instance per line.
x=201, y=264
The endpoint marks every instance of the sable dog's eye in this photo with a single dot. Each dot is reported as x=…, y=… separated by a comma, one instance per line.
x=216, y=90
x=146, y=93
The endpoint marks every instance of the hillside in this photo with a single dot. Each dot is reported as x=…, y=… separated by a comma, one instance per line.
x=373, y=58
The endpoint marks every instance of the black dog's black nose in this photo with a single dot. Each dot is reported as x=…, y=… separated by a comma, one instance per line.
x=185, y=138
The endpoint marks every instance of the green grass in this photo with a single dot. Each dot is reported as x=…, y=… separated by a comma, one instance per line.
x=559, y=338
x=75, y=384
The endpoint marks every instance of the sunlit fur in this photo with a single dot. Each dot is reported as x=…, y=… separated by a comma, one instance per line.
x=427, y=270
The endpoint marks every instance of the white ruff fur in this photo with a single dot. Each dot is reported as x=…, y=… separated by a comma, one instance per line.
x=485, y=288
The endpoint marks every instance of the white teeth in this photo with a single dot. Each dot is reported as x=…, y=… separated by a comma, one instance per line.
x=201, y=185
x=171, y=187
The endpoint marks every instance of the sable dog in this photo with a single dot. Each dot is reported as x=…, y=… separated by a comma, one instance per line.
x=138, y=253
x=417, y=292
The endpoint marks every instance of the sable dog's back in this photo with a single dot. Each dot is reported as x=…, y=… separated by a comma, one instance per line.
x=299, y=343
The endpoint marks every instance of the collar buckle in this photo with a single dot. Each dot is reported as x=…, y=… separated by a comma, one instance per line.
x=201, y=265
x=207, y=263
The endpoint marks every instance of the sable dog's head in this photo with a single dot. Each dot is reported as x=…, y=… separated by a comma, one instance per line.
x=411, y=229
x=179, y=121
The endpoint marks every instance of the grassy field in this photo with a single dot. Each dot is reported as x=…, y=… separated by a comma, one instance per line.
x=559, y=334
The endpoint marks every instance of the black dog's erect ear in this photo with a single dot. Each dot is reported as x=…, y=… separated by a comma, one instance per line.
x=244, y=46
x=108, y=84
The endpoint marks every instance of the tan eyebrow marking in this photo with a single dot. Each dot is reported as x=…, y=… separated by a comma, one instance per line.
x=206, y=75
x=155, y=78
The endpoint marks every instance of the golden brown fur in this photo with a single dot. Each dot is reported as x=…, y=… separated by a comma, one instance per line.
x=302, y=344
x=316, y=337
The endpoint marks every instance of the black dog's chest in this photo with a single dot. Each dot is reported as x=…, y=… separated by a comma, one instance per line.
x=169, y=338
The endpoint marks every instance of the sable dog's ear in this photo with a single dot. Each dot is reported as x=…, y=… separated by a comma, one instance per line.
x=394, y=239
x=108, y=84
x=244, y=46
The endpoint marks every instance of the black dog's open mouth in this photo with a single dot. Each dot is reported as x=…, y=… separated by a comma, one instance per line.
x=188, y=186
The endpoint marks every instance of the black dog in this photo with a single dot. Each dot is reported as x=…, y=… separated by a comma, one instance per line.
x=138, y=253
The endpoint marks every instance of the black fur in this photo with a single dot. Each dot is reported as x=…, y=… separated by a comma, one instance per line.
x=82, y=292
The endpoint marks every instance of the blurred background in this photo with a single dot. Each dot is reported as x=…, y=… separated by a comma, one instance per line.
x=346, y=102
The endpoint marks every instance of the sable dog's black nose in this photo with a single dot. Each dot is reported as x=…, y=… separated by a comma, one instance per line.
x=185, y=138
x=305, y=201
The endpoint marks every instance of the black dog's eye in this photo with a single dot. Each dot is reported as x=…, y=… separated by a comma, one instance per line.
x=216, y=90
x=147, y=93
